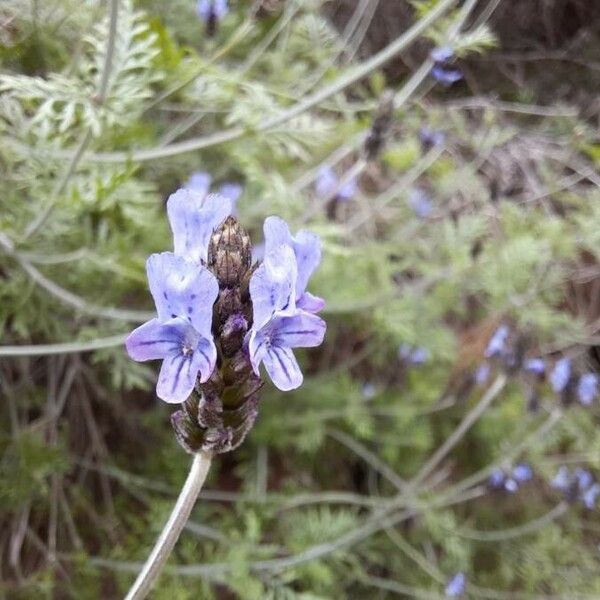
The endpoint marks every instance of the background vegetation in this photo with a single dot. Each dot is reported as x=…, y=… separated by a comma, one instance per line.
x=370, y=480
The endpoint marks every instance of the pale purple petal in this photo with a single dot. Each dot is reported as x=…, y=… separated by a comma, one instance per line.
x=307, y=247
x=348, y=190
x=310, y=303
x=301, y=330
x=199, y=182
x=193, y=218
x=232, y=191
x=177, y=377
x=442, y=54
x=326, y=182
x=182, y=289
x=154, y=340
x=282, y=367
x=258, y=252
x=272, y=285
x=221, y=8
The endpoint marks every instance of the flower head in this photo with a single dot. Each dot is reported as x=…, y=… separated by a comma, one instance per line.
x=327, y=184
x=306, y=247
x=535, y=365
x=561, y=375
x=193, y=218
x=184, y=294
x=208, y=10
x=456, y=586
x=497, y=343
x=420, y=202
x=587, y=388
x=278, y=325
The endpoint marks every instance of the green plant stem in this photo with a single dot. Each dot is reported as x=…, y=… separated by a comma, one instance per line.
x=354, y=75
x=171, y=531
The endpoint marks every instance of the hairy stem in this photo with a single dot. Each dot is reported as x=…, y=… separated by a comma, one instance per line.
x=170, y=533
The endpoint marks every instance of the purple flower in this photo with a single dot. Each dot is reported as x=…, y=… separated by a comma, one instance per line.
x=199, y=182
x=562, y=480
x=561, y=374
x=590, y=495
x=258, y=252
x=522, y=472
x=419, y=356
x=327, y=182
x=193, y=218
x=510, y=485
x=442, y=54
x=496, y=479
x=231, y=191
x=431, y=137
x=184, y=294
x=208, y=9
x=482, y=374
x=306, y=247
x=497, y=343
x=420, y=202
x=278, y=325
x=456, y=586
x=535, y=365
x=584, y=479
x=587, y=388
x=369, y=391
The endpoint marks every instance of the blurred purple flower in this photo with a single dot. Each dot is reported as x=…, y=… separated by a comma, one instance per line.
x=535, y=365
x=510, y=485
x=587, y=388
x=278, y=325
x=562, y=480
x=327, y=183
x=369, y=391
x=211, y=9
x=496, y=479
x=431, y=137
x=584, y=479
x=456, y=586
x=441, y=71
x=522, y=472
x=420, y=202
x=482, y=374
x=200, y=183
x=232, y=191
x=561, y=374
x=193, y=217
x=184, y=294
x=590, y=496
x=258, y=252
x=497, y=343
x=306, y=247
x=413, y=355
x=442, y=54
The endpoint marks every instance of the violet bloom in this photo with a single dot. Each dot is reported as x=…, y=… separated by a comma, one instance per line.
x=535, y=365
x=211, y=9
x=496, y=479
x=327, y=182
x=441, y=70
x=200, y=182
x=561, y=375
x=431, y=137
x=510, y=485
x=482, y=374
x=184, y=294
x=584, y=479
x=587, y=388
x=278, y=326
x=590, y=496
x=497, y=343
x=522, y=472
x=456, y=586
x=419, y=201
x=306, y=247
x=193, y=218
x=562, y=480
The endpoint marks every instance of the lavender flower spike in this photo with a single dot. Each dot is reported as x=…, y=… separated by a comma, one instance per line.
x=193, y=218
x=307, y=251
x=184, y=294
x=278, y=326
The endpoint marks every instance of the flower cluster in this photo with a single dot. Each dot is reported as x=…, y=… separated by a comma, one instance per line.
x=219, y=317
x=510, y=480
x=441, y=70
x=577, y=485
